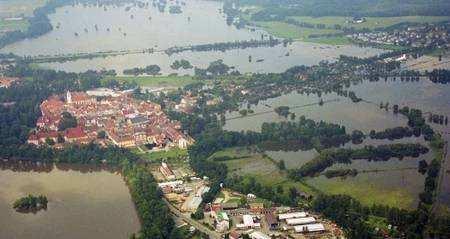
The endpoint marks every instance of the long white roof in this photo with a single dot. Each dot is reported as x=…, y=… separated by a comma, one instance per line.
x=291, y=215
x=303, y=220
x=316, y=227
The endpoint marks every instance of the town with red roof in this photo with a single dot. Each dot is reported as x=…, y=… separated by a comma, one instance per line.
x=106, y=117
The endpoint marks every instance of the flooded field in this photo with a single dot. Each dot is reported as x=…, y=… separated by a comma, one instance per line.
x=83, y=203
x=87, y=29
x=274, y=58
x=340, y=110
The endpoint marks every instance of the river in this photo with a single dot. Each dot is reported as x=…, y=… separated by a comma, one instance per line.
x=84, y=202
x=200, y=22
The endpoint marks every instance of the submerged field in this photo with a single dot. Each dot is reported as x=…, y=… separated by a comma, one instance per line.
x=156, y=81
x=394, y=183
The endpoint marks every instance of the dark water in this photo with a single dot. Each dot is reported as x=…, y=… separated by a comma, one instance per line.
x=84, y=202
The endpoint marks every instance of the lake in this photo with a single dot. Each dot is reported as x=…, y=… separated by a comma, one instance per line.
x=201, y=22
x=84, y=202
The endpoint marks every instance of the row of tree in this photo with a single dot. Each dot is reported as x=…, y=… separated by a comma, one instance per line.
x=345, y=155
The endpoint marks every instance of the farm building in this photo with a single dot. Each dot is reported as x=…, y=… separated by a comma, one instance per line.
x=291, y=215
x=316, y=227
x=298, y=221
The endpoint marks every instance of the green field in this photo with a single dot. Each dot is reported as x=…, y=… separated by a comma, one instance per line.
x=371, y=22
x=157, y=81
x=260, y=166
x=263, y=168
x=285, y=30
x=366, y=191
x=171, y=155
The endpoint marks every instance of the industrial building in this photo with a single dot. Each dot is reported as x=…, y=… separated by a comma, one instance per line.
x=316, y=227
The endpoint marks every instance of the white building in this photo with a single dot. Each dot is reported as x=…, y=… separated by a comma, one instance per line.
x=248, y=222
x=291, y=215
x=222, y=221
x=299, y=221
x=172, y=184
x=258, y=235
x=316, y=227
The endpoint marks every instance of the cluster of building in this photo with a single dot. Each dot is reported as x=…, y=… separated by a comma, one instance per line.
x=186, y=196
x=268, y=224
x=258, y=222
x=107, y=116
x=422, y=36
x=6, y=82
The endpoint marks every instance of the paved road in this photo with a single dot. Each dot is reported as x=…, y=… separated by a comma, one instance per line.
x=212, y=234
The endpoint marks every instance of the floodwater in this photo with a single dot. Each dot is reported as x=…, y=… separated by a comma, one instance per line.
x=340, y=110
x=398, y=180
x=422, y=94
x=83, y=203
x=163, y=30
x=274, y=59
x=201, y=22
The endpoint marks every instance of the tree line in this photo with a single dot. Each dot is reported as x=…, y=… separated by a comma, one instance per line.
x=327, y=158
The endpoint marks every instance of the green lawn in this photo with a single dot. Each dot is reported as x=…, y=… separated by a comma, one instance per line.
x=157, y=81
x=285, y=30
x=366, y=192
x=371, y=22
x=173, y=154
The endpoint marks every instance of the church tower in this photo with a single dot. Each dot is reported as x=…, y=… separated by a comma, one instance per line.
x=69, y=97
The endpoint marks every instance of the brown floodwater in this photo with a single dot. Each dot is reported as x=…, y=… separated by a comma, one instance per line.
x=84, y=202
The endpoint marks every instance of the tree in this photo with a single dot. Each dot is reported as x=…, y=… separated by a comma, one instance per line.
x=60, y=139
x=101, y=135
x=281, y=165
x=67, y=121
x=218, y=68
x=49, y=141
x=423, y=165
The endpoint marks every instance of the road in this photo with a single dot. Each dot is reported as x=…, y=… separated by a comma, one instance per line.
x=212, y=234
x=443, y=187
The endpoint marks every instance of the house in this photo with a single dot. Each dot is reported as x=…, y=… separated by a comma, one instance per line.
x=222, y=221
x=258, y=235
x=166, y=171
x=248, y=223
x=79, y=98
x=75, y=135
x=230, y=206
x=271, y=221
x=40, y=137
x=256, y=206
x=234, y=235
x=6, y=82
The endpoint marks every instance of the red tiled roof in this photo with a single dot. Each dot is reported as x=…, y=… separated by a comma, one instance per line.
x=74, y=133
